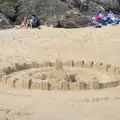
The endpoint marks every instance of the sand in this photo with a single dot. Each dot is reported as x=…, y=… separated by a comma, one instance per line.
x=24, y=45
x=87, y=44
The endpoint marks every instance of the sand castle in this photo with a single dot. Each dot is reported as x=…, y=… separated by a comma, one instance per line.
x=61, y=75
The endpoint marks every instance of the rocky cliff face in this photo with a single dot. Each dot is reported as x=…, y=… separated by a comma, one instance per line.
x=15, y=10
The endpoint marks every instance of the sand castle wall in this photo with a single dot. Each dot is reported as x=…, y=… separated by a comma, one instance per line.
x=60, y=65
x=62, y=85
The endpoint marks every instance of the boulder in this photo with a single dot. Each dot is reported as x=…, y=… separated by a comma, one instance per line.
x=52, y=11
x=44, y=9
x=108, y=5
x=70, y=19
x=92, y=8
x=4, y=22
x=9, y=11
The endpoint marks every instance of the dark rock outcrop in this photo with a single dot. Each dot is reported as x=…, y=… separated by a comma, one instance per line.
x=4, y=22
x=70, y=19
x=51, y=11
x=9, y=12
x=44, y=9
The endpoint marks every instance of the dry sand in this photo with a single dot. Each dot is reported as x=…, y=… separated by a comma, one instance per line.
x=48, y=44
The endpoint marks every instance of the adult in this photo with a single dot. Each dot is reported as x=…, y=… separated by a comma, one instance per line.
x=97, y=18
x=34, y=22
x=100, y=14
x=111, y=15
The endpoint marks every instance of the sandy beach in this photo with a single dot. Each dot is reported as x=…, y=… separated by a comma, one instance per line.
x=24, y=45
x=47, y=43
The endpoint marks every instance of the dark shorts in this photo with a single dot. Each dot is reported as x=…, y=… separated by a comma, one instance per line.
x=35, y=24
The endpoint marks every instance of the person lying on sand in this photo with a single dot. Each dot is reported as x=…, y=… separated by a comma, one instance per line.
x=23, y=24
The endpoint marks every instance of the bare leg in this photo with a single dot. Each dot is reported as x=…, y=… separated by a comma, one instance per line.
x=22, y=25
x=30, y=24
x=18, y=27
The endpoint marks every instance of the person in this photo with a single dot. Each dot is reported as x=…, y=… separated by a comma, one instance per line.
x=116, y=21
x=98, y=19
x=111, y=17
x=34, y=22
x=23, y=24
x=100, y=15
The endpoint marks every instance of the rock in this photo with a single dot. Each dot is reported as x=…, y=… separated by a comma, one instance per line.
x=4, y=22
x=9, y=12
x=108, y=5
x=92, y=8
x=70, y=19
x=52, y=11
x=44, y=9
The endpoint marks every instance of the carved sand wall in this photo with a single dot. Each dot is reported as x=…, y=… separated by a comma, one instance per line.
x=61, y=75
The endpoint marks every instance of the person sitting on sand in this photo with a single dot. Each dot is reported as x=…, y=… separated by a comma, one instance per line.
x=111, y=17
x=98, y=19
x=100, y=14
x=24, y=23
x=34, y=22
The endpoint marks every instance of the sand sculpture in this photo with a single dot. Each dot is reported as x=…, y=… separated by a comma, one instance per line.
x=59, y=75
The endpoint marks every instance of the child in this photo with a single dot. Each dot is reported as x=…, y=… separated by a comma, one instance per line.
x=24, y=23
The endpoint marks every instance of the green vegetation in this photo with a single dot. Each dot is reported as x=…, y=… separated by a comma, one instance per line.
x=8, y=2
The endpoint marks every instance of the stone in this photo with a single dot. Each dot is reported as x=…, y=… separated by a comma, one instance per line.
x=8, y=11
x=50, y=12
x=5, y=22
x=44, y=9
